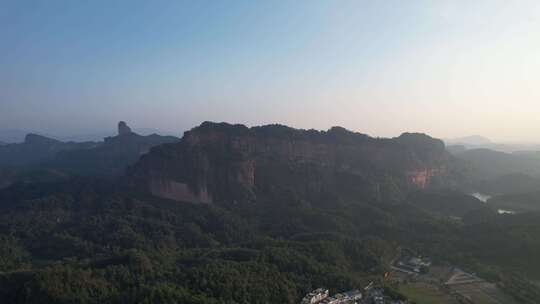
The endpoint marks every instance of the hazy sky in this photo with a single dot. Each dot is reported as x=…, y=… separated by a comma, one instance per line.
x=448, y=68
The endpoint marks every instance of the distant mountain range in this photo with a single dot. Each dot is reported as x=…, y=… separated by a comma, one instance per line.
x=497, y=169
x=18, y=136
x=101, y=135
x=104, y=158
x=481, y=142
x=36, y=149
x=8, y=136
x=109, y=158
x=473, y=140
x=496, y=173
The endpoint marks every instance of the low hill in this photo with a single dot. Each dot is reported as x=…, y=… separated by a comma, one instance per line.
x=445, y=203
x=518, y=202
x=507, y=184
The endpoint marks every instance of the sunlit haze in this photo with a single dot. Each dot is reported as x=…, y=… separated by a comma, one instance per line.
x=447, y=68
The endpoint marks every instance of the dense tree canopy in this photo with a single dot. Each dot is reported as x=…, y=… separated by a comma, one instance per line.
x=85, y=241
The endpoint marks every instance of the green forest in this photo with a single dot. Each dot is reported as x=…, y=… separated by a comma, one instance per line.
x=88, y=241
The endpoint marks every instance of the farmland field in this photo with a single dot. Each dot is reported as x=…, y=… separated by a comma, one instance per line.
x=423, y=293
x=483, y=293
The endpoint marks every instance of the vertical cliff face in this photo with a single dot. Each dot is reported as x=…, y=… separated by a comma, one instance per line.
x=421, y=178
x=223, y=162
x=178, y=191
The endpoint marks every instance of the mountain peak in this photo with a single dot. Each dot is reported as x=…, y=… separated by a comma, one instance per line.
x=123, y=128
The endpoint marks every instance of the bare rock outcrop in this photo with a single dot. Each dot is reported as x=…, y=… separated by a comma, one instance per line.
x=123, y=128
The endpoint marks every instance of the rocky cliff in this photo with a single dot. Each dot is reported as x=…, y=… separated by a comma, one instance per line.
x=123, y=128
x=222, y=162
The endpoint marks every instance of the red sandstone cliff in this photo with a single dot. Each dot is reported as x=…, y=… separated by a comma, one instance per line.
x=219, y=162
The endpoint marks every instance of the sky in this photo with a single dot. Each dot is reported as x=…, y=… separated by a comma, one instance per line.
x=446, y=68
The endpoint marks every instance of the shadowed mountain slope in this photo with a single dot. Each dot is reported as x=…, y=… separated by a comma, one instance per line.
x=41, y=158
x=36, y=149
x=487, y=164
x=111, y=157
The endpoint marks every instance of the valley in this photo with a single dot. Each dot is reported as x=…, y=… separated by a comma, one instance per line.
x=263, y=215
x=269, y=152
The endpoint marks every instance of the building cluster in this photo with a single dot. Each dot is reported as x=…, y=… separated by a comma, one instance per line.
x=321, y=296
x=315, y=296
x=374, y=296
x=414, y=264
x=370, y=295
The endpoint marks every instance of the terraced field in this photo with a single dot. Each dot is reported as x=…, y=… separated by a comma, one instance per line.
x=423, y=293
x=429, y=289
x=483, y=293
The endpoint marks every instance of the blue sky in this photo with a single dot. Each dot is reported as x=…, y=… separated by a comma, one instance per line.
x=448, y=68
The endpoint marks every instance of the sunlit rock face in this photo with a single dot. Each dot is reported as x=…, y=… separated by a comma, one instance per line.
x=222, y=162
x=169, y=189
x=421, y=178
